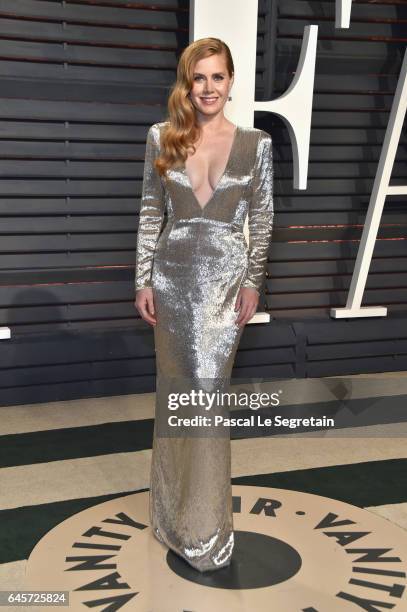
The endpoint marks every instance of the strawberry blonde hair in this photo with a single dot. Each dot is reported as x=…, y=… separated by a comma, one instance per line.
x=182, y=128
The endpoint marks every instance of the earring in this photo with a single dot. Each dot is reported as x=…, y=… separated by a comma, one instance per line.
x=229, y=98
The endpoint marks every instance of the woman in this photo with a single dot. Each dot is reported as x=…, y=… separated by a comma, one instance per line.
x=198, y=284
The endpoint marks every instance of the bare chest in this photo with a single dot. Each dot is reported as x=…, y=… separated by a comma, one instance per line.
x=207, y=165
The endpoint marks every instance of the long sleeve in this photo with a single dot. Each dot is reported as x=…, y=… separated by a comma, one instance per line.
x=261, y=213
x=151, y=212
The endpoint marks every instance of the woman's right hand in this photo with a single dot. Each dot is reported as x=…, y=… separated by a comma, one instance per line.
x=144, y=303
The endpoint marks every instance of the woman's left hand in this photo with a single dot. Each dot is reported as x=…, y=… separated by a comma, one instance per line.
x=247, y=302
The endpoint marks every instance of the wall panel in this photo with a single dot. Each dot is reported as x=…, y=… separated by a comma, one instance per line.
x=81, y=83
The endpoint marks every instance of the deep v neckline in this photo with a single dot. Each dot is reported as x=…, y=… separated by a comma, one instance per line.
x=229, y=159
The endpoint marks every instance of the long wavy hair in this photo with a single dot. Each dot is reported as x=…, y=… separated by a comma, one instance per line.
x=182, y=129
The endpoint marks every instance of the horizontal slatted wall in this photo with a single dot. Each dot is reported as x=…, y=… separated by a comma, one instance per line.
x=317, y=231
x=81, y=83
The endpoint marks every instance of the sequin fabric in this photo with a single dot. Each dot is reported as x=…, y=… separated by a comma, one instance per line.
x=196, y=265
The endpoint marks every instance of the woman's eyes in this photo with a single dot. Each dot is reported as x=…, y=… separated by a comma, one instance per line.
x=217, y=78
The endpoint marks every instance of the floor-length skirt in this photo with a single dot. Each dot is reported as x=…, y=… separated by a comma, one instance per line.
x=196, y=280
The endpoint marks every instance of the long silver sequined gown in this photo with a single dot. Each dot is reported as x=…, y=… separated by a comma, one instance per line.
x=196, y=265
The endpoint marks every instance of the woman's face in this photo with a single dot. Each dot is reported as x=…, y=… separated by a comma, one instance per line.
x=211, y=84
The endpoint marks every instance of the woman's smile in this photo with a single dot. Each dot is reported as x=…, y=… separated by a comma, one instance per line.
x=208, y=99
